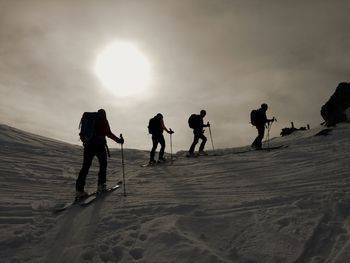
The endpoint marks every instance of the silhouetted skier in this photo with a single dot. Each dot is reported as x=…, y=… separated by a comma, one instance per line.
x=259, y=120
x=196, y=123
x=94, y=129
x=156, y=127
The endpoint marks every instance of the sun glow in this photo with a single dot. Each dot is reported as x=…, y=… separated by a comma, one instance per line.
x=123, y=69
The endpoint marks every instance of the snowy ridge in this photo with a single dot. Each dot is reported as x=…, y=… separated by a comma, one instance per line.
x=285, y=205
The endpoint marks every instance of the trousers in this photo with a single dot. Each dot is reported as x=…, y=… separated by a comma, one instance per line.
x=157, y=139
x=90, y=151
x=198, y=135
x=261, y=133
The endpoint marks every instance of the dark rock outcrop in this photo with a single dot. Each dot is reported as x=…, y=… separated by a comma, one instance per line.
x=287, y=131
x=333, y=111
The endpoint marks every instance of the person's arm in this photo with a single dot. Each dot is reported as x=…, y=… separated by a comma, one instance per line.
x=170, y=131
x=264, y=118
x=111, y=135
x=271, y=120
x=206, y=125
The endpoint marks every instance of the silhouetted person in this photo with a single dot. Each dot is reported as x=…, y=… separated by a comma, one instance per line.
x=96, y=146
x=259, y=121
x=156, y=127
x=197, y=124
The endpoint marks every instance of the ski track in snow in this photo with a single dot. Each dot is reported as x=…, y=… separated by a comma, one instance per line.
x=283, y=205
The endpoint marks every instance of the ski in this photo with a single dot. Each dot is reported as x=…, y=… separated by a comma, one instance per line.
x=95, y=196
x=148, y=165
x=272, y=148
x=167, y=162
x=83, y=200
x=73, y=203
x=262, y=149
x=195, y=155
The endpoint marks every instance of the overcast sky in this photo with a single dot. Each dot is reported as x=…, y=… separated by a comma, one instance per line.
x=224, y=56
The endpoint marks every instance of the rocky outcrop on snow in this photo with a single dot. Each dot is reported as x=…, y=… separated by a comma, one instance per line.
x=337, y=107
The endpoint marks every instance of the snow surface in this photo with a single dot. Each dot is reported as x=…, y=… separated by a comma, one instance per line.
x=284, y=205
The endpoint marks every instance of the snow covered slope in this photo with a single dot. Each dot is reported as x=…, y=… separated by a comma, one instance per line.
x=286, y=205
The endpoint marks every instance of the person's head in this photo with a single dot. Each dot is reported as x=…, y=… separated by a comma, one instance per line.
x=159, y=116
x=264, y=106
x=102, y=113
x=203, y=113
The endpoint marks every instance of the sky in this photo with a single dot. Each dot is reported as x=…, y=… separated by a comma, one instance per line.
x=224, y=56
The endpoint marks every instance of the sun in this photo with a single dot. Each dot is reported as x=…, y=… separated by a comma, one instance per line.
x=123, y=69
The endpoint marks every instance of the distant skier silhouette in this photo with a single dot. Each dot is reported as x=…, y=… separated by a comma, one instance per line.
x=259, y=120
x=196, y=123
x=156, y=127
x=94, y=129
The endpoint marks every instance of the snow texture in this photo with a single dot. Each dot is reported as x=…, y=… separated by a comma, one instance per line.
x=285, y=205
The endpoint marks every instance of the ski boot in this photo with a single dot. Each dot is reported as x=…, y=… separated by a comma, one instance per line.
x=80, y=195
x=101, y=188
x=161, y=160
x=152, y=162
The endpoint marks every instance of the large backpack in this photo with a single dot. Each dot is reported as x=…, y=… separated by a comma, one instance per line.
x=193, y=121
x=88, y=124
x=154, y=126
x=255, y=117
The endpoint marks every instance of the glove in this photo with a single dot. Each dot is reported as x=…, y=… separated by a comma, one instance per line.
x=208, y=124
x=121, y=140
x=171, y=131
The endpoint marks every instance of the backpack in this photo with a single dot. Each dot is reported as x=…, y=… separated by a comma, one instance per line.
x=254, y=117
x=154, y=126
x=193, y=121
x=88, y=124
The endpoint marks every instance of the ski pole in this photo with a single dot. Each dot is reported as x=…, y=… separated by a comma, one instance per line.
x=268, y=133
x=108, y=153
x=122, y=152
x=171, y=145
x=211, y=138
x=268, y=136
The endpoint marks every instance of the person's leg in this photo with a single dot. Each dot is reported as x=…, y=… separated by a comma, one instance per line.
x=261, y=133
x=154, y=147
x=204, y=140
x=89, y=154
x=162, y=148
x=102, y=159
x=255, y=142
x=195, y=141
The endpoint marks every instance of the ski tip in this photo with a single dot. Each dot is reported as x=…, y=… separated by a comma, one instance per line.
x=192, y=155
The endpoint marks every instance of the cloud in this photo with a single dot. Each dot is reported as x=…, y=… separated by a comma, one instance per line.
x=225, y=56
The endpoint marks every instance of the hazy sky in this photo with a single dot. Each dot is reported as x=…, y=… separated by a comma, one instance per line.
x=224, y=56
